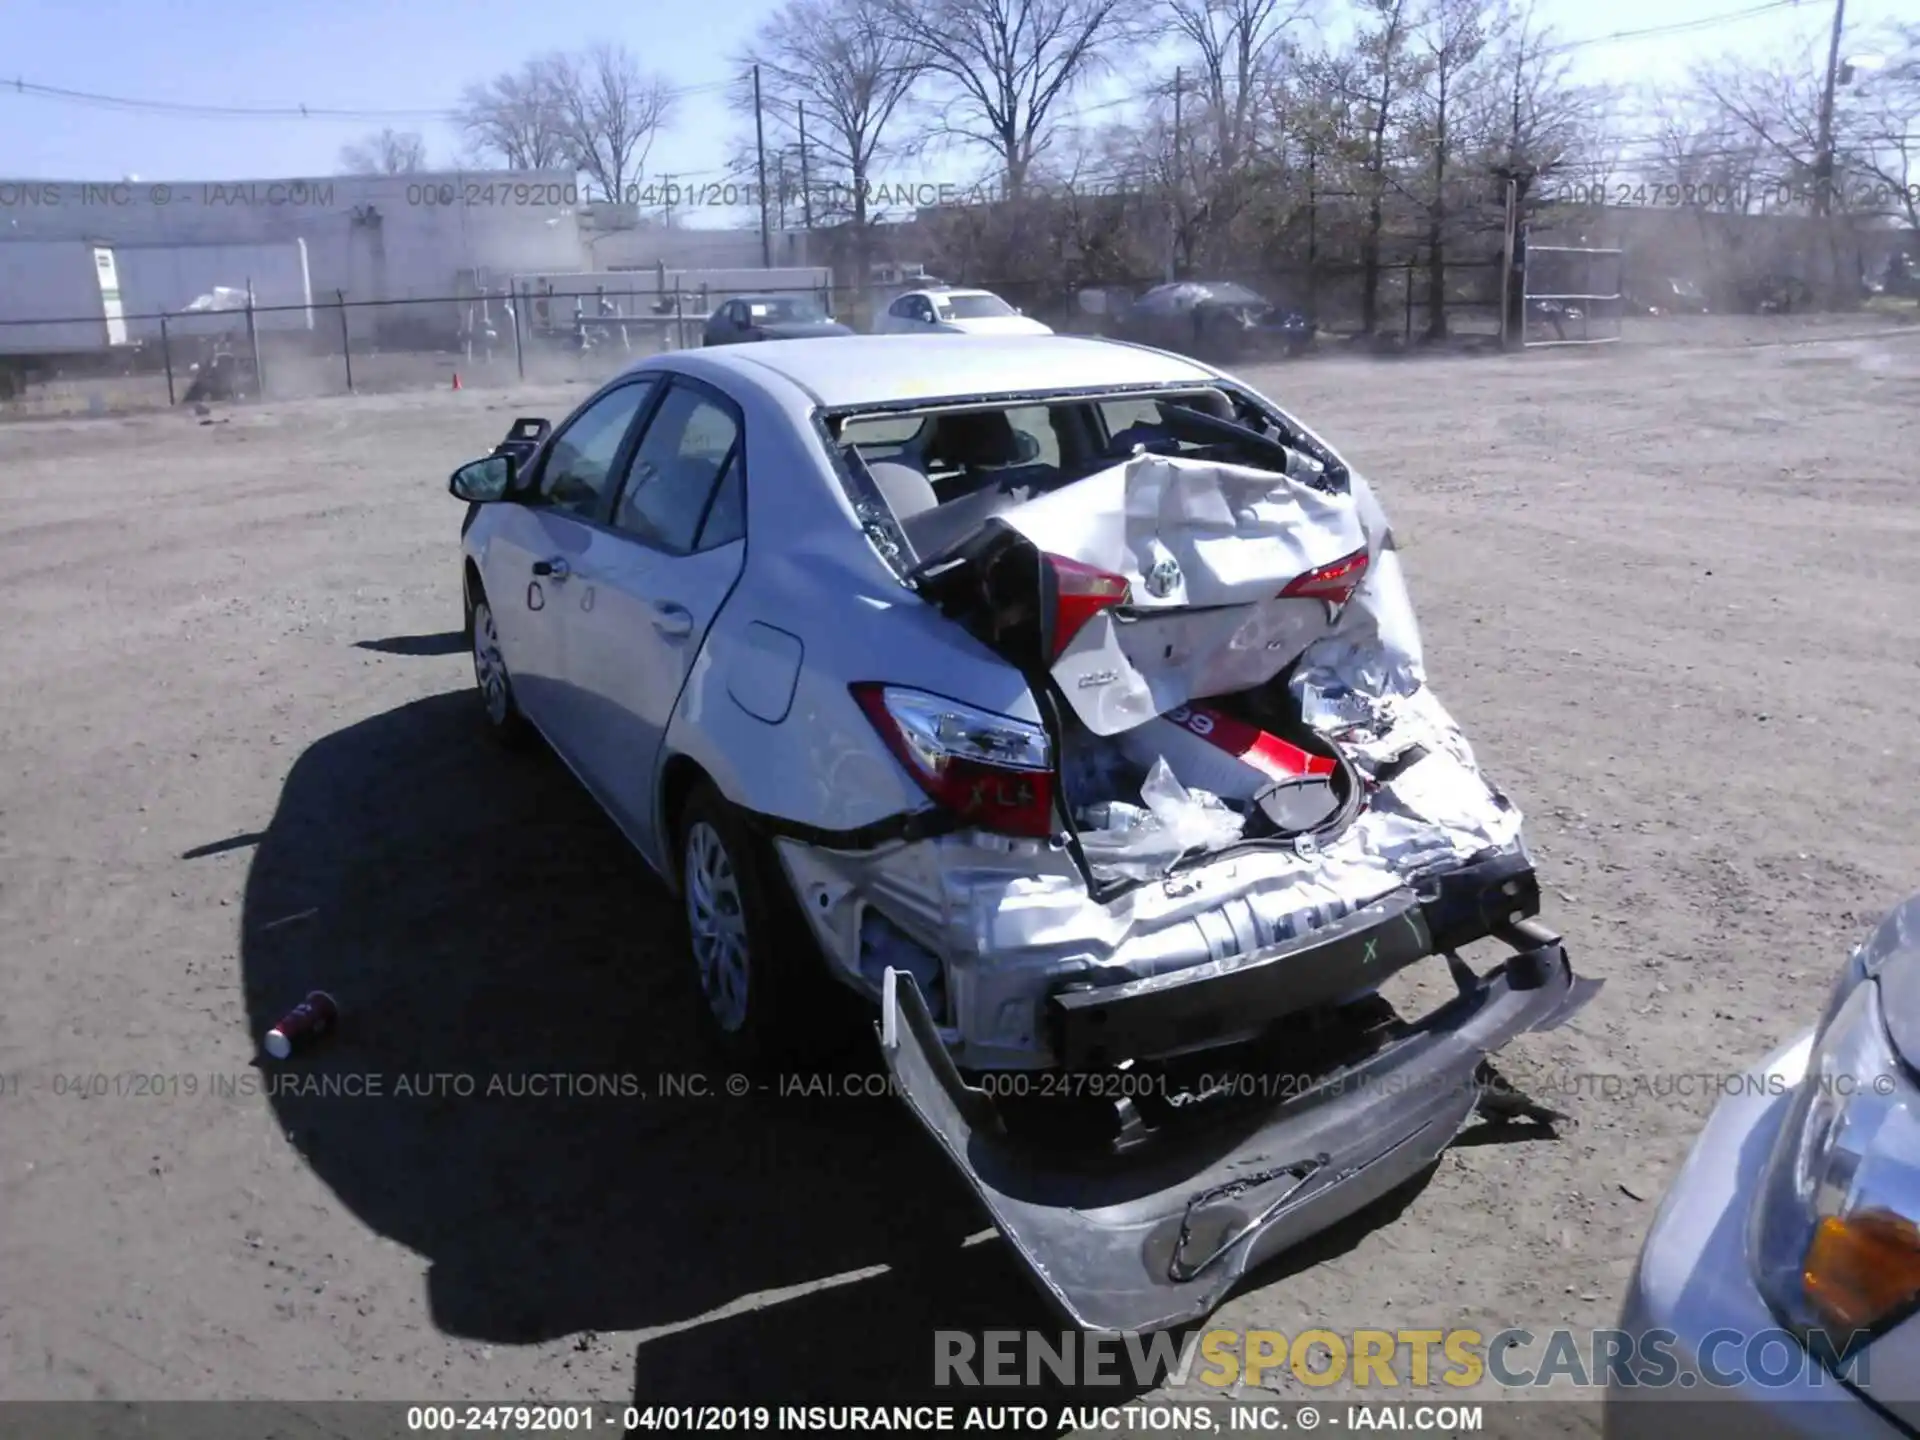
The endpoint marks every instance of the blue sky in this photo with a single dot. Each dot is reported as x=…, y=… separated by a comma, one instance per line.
x=376, y=56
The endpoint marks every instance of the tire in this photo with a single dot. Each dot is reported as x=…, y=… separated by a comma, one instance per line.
x=761, y=980
x=509, y=728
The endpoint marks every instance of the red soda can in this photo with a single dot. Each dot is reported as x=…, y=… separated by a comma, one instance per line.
x=308, y=1020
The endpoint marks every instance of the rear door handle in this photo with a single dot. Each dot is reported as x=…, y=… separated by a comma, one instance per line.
x=672, y=620
x=554, y=569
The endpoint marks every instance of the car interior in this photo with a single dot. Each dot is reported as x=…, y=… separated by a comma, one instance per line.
x=944, y=474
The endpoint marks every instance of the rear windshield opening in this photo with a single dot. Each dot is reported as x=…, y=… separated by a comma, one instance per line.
x=945, y=470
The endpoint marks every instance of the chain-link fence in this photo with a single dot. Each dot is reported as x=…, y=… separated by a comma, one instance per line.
x=586, y=327
x=1571, y=296
x=341, y=346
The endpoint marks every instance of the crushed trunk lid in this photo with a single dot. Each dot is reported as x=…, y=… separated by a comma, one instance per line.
x=1160, y=580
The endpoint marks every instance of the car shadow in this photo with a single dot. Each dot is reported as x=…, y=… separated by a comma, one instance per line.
x=517, y=1093
x=516, y=1089
x=450, y=642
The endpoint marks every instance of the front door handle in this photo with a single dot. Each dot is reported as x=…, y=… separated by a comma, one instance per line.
x=672, y=620
x=554, y=569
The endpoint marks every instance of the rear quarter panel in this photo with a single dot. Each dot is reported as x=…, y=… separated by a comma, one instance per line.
x=812, y=585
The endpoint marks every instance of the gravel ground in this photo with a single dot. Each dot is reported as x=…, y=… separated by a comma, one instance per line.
x=1665, y=588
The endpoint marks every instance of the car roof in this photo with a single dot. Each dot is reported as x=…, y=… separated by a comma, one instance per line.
x=879, y=369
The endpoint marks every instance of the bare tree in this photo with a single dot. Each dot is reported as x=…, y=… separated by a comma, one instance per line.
x=1009, y=63
x=1773, y=108
x=843, y=67
x=1879, y=127
x=1237, y=53
x=610, y=115
x=1236, y=43
x=1453, y=43
x=516, y=118
x=391, y=152
x=1376, y=78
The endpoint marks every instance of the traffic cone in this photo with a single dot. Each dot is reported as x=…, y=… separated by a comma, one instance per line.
x=456, y=379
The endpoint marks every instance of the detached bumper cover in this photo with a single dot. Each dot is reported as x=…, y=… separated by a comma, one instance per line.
x=1152, y=1239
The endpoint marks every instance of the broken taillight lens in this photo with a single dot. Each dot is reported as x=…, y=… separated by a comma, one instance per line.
x=992, y=771
x=1080, y=593
x=1333, y=583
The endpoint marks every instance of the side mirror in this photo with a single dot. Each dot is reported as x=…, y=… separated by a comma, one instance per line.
x=481, y=482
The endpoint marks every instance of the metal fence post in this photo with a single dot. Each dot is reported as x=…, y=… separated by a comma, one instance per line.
x=679, y=321
x=253, y=344
x=346, y=341
x=519, y=354
x=166, y=358
x=1408, y=335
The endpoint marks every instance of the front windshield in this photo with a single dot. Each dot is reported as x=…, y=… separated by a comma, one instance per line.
x=973, y=307
x=786, y=310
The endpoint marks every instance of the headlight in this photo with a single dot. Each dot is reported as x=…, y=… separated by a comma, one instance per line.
x=1835, y=1245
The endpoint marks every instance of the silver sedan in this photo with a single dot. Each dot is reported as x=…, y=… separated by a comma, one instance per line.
x=1062, y=697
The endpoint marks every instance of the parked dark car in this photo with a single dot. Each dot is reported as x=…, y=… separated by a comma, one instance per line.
x=1213, y=319
x=770, y=317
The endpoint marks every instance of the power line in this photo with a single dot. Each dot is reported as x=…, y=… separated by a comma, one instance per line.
x=1675, y=27
x=194, y=111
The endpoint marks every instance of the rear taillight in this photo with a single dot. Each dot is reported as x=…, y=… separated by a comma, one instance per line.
x=1080, y=593
x=1333, y=583
x=991, y=771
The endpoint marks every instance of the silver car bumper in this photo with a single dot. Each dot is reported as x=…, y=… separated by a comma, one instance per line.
x=1014, y=961
x=1156, y=1236
x=1694, y=1280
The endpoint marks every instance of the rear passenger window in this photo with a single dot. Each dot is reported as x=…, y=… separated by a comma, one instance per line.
x=688, y=446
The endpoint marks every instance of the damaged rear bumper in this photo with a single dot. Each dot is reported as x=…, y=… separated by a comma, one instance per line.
x=1154, y=1235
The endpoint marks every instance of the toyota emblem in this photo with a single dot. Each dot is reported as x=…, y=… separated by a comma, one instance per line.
x=1163, y=577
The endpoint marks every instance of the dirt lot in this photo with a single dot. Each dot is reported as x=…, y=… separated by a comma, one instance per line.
x=1668, y=589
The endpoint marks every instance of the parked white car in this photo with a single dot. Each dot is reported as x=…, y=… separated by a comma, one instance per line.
x=1064, y=698
x=945, y=310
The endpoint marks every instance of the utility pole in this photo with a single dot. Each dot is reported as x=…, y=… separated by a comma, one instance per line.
x=806, y=190
x=1509, y=330
x=1823, y=161
x=760, y=145
x=1173, y=207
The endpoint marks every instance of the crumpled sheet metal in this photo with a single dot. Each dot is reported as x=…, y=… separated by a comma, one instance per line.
x=1013, y=917
x=1364, y=686
x=1236, y=533
x=1207, y=548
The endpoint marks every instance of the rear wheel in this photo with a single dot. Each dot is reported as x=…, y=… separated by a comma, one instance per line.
x=759, y=973
x=504, y=720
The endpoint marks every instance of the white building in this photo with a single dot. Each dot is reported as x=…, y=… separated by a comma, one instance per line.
x=374, y=237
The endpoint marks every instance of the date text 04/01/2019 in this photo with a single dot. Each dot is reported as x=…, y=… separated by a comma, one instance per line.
x=1133, y=1417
